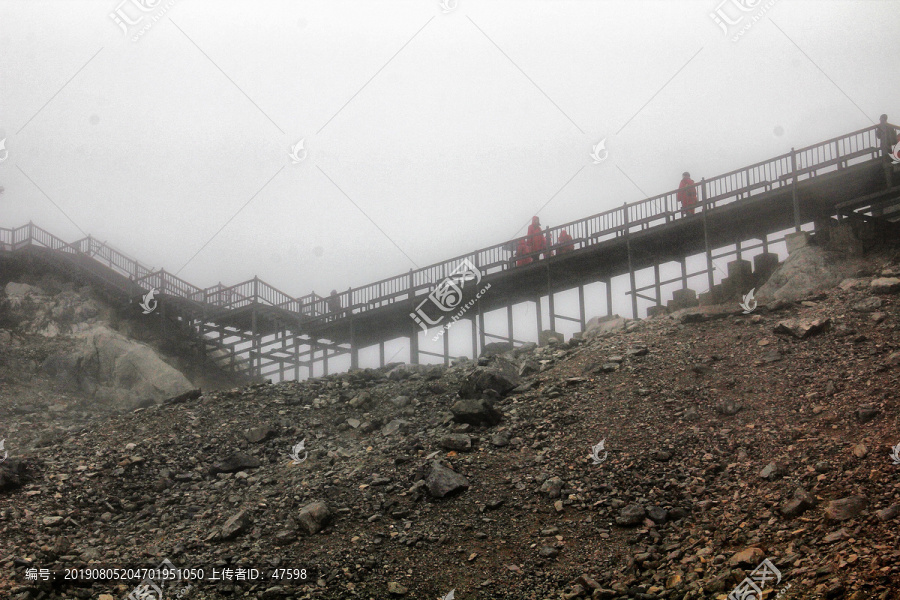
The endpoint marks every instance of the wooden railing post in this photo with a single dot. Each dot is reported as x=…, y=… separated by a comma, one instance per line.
x=794, y=195
x=705, y=208
x=634, y=307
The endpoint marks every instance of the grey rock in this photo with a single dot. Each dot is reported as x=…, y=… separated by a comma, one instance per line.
x=314, y=517
x=870, y=304
x=800, y=503
x=475, y=412
x=885, y=285
x=442, y=481
x=459, y=442
x=255, y=435
x=235, y=462
x=548, y=552
x=501, y=377
x=235, y=526
x=633, y=514
x=394, y=427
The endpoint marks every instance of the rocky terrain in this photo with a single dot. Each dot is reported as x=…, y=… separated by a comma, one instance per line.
x=728, y=438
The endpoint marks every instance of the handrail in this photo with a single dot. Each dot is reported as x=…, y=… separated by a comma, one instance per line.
x=734, y=186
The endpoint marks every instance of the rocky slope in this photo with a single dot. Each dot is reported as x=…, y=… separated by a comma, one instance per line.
x=728, y=439
x=65, y=350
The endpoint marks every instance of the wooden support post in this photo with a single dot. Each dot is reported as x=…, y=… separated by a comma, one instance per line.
x=509, y=323
x=656, y=279
x=354, y=351
x=709, y=262
x=550, y=307
x=581, y=307
x=474, y=321
x=795, y=197
x=297, y=358
x=608, y=296
x=381, y=353
x=446, y=347
x=684, y=281
x=634, y=306
x=255, y=359
x=737, y=245
x=325, y=361
x=537, y=311
x=312, y=357
x=481, y=326
x=414, y=345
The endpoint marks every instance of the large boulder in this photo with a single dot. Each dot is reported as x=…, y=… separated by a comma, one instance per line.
x=500, y=377
x=807, y=270
x=110, y=366
x=600, y=326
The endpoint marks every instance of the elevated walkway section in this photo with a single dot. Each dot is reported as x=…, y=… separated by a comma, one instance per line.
x=258, y=329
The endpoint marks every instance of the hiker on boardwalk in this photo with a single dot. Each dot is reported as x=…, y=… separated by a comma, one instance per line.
x=521, y=251
x=334, y=302
x=536, y=240
x=565, y=242
x=687, y=194
x=886, y=135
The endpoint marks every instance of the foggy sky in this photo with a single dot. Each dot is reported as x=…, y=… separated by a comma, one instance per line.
x=449, y=130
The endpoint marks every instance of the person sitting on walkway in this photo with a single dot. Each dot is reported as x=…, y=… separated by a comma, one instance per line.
x=687, y=194
x=536, y=240
x=886, y=135
x=521, y=251
x=565, y=242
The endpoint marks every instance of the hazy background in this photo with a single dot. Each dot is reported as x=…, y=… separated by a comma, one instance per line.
x=449, y=130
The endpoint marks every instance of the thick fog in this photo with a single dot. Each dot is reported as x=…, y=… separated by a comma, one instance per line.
x=428, y=128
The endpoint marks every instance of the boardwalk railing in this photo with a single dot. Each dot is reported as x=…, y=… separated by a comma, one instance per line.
x=726, y=189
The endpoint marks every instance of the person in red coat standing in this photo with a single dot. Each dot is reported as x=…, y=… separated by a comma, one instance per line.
x=565, y=242
x=536, y=240
x=687, y=194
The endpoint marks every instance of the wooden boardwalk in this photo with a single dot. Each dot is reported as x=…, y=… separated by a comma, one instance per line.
x=257, y=329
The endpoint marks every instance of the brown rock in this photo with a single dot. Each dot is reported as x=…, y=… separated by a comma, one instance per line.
x=845, y=508
x=749, y=557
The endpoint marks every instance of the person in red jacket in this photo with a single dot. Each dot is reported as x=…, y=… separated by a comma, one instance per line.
x=687, y=194
x=521, y=251
x=565, y=242
x=536, y=240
